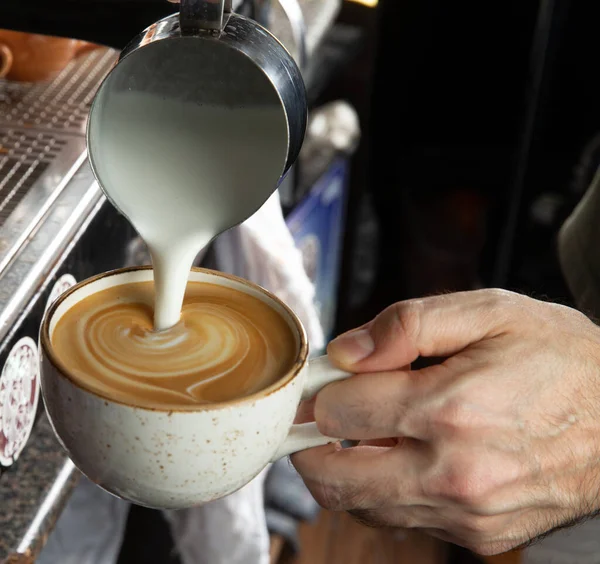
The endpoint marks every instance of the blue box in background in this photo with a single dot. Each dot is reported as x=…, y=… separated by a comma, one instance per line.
x=317, y=225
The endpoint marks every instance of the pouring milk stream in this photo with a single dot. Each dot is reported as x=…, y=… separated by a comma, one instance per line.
x=180, y=173
x=189, y=135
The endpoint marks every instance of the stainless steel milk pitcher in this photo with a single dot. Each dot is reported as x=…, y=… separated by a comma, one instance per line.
x=206, y=54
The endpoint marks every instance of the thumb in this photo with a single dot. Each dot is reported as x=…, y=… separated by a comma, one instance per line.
x=436, y=326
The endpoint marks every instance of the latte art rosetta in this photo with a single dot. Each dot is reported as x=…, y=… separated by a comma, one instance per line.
x=227, y=345
x=209, y=344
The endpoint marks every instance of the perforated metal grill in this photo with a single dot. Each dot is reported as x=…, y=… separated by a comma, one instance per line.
x=24, y=156
x=42, y=135
x=61, y=104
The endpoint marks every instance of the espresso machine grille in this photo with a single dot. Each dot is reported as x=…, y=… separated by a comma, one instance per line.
x=60, y=105
x=42, y=140
x=25, y=158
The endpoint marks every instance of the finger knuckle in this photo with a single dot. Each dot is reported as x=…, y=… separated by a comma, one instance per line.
x=501, y=304
x=453, y=417
x=332, y=493
x=408, y=420
x=340, y=412
x=473, y=525
x=408, y=315
x=328, y=424
x=462, y=483
x=499, y=296
x=328, y=496
x=390, y=414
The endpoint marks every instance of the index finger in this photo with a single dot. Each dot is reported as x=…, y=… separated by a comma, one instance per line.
x=428, y=327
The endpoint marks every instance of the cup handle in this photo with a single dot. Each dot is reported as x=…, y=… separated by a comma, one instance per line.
x=306, y=435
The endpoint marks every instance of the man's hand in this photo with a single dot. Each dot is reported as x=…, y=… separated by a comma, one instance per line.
x=495, y=446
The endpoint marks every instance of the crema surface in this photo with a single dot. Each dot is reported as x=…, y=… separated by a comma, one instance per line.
x=227, y=345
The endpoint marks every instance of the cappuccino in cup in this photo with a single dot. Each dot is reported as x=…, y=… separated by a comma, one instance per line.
x=227, y=345
x=181, y=417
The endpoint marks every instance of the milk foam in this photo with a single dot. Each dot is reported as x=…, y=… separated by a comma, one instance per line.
x=180, y=172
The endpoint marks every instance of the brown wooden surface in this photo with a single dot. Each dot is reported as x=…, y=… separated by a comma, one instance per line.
x=335, y=538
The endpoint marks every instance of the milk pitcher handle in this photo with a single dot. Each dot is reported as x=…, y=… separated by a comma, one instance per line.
x=306, y=435
x=207, y=15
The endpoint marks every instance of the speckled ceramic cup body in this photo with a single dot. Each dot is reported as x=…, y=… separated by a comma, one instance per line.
x=169, y=458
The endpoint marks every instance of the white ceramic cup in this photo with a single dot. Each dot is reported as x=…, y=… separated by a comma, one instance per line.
x=172, y=459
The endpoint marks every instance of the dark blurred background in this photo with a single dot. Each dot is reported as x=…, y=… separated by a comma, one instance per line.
x=481, y=132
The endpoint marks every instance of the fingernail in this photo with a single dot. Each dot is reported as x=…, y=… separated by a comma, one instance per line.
x=352, y=347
